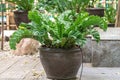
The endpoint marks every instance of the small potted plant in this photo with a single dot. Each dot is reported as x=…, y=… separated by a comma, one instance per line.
x=92, y=10
x=77, y=5
x=110, y=13
x=61, y=37
x=22, y=8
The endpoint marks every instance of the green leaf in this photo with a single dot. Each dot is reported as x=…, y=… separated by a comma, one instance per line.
x=94, y=20
x=18, y=35
x=95, y=34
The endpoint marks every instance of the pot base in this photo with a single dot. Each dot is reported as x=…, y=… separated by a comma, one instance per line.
x=72, y=78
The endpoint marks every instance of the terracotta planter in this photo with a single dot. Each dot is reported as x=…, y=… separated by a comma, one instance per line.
x=60, y=63
x=96, y=11
x=21, y=16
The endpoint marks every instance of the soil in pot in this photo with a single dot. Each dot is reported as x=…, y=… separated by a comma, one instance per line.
x=61, y=64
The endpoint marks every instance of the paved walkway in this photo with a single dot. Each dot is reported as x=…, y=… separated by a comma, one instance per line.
x=29, y=68
x=100, y=73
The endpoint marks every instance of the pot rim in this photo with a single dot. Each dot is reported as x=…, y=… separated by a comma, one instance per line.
x=59, y=49
x=95, y=8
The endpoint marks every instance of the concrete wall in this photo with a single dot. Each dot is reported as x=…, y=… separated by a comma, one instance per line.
x=87, y=50
x=106, y=53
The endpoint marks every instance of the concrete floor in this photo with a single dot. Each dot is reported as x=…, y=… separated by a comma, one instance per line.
x=100, y=73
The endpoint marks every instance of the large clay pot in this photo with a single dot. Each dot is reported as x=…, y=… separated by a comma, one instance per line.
x=59, y=63
x=96, y=11
x=21, y=16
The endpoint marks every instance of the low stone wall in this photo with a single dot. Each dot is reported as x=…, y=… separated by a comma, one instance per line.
x=106, y=53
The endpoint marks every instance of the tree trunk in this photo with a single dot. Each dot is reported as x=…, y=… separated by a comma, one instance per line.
x=117, y=23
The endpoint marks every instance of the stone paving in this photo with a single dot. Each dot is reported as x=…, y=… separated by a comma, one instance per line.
x=101, y=73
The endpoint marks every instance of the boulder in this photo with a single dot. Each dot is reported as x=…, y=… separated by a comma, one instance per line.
x=26, y=46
